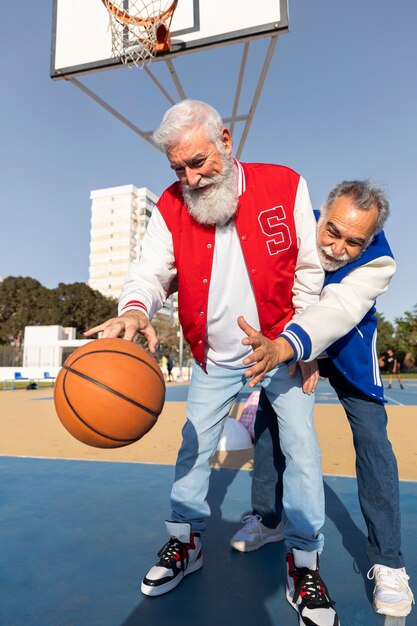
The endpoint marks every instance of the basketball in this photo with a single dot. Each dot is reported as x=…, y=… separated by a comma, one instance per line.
x=109, y=393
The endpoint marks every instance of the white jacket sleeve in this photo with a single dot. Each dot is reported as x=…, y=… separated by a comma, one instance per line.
x=341, y=307
x=149, y=279
x=309, y=275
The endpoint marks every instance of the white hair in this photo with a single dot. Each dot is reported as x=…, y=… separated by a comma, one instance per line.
x=186, y=115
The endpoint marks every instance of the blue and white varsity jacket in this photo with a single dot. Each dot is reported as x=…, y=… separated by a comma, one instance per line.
x=344, y=323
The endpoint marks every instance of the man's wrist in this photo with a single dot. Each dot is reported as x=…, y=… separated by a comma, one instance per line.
x=299, y=341
x=134, y=314
x=285, y=350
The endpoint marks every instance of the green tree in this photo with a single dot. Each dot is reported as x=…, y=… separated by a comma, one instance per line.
x=406, y=333
x=23, y=302
x=385, y=334
x=81, y=307
x=168, y=334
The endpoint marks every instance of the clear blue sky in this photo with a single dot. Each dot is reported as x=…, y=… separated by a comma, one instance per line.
x=340, y=102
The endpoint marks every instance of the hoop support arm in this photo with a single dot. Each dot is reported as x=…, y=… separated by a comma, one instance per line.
x=146, y=135
x=256, y=96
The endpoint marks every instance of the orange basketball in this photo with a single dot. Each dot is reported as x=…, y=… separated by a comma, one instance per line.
x=109, y=393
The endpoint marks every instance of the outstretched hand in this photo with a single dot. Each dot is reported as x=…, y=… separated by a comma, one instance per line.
x=309, y=373
x=126, y=326
x=266, y=355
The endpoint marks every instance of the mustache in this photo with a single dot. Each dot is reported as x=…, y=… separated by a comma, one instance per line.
x=337, y=257
x=203, y=182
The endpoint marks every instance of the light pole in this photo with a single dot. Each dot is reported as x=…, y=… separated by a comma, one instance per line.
x=180, y=354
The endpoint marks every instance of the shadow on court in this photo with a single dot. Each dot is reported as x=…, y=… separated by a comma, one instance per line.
x=77, y=536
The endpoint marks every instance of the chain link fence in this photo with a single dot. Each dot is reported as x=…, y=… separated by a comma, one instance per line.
x=10, y=356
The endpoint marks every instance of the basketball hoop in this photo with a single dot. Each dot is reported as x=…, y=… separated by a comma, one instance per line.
x=140, y=30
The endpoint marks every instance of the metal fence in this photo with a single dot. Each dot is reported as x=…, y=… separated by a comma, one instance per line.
x=10, y=356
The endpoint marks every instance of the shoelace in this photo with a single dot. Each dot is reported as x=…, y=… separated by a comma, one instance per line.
x=252, y=521
x=389, y=577
x=168, y=553
x=312, y=589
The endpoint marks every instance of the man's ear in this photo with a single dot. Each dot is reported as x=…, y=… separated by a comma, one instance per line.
x=227, y=140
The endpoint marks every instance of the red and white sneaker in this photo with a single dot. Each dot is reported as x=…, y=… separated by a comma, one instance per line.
x=306, y=591
x=182, y=555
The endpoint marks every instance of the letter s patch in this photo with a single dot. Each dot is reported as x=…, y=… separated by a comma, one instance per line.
x=272, y=225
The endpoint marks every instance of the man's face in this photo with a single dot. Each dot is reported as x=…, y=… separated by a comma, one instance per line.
x=208, y=176
x=196, y=160
x=344, y=232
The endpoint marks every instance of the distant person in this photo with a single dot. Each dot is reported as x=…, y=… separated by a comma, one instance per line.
x=393, y=368
x=170, y=365
x=240, y=239
x=359, y=266
x=163, y=364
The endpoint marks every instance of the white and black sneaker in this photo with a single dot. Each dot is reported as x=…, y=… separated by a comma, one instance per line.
x=306, y=591
x=182, y=555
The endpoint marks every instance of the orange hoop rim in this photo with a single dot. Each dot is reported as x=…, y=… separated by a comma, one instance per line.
x=126, y=18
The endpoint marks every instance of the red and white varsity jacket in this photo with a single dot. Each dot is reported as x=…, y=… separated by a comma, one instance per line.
x=275, y=229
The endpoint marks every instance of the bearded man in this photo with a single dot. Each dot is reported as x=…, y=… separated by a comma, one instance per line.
x=237, y=239
x=341, y=331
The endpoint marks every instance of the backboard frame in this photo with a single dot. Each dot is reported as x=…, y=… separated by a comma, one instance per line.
x=272, y=29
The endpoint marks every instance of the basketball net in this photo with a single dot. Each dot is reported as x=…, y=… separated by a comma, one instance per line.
x=140, y=29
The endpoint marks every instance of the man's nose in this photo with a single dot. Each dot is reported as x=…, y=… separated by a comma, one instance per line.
x=193, y=177
x=338, y=247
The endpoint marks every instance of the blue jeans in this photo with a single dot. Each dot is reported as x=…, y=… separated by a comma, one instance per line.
x=210, y=399
x=376, y=468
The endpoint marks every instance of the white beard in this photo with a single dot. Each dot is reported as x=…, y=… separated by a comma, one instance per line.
x=337, y=260
x=218, y=203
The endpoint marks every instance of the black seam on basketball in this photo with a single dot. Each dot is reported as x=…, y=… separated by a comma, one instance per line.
x=132, y=356
x=94, y=430
x=113, y=391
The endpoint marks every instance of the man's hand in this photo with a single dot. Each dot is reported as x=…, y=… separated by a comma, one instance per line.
x=126, y=326
x=266, y=355
x=309, y=372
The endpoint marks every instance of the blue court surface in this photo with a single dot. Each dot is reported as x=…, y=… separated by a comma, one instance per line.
x=76, y=536
x=324, y=393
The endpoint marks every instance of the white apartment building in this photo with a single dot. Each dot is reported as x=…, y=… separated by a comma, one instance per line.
x=119, y=217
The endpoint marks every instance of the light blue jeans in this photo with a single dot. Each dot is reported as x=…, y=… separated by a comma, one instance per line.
x=210, y=399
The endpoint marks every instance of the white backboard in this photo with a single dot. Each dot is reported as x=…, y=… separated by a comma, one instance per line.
x=81, y=39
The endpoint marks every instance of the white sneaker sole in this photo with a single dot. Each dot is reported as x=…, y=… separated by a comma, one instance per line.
x=149, y=590
x=399, y=609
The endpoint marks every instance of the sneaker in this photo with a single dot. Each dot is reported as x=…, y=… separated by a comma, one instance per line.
x=389, y=386
x=254, y=534
x=306, y=591
x=182, y=555
x=392, y=594
x=402, y=386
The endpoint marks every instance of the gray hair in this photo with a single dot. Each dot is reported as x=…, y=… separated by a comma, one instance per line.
x=186, y=115
x=365, y=194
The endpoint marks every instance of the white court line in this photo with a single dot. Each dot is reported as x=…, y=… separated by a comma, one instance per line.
x=394, y=621
x=394, y=401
